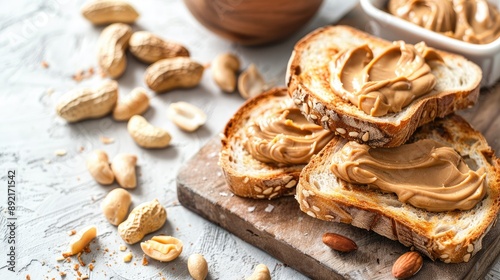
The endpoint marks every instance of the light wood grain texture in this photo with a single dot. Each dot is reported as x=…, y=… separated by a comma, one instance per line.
x=295, y=238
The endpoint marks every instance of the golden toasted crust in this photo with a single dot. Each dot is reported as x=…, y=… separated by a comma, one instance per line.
x=308, y=84
x=246, y=176
x=453, y=236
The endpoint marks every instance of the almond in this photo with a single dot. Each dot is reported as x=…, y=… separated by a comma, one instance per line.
x=407, y=265
x=339, y=242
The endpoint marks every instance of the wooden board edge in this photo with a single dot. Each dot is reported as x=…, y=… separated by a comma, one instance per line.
x=307, y=265
x=481, y=268
x=210, y=207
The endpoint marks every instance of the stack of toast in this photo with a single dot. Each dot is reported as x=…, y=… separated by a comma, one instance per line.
x=450, y=235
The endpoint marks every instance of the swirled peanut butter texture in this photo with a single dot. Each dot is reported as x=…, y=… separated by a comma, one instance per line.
x=284, y=136
x=473, y=21
x=386, y=82
x=425, y=174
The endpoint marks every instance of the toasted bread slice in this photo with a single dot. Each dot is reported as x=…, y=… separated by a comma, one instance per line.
x=452, y=236
x=308, y=80
x=245, y=175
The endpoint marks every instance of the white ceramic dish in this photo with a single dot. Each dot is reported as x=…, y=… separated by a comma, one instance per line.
x=390, y=27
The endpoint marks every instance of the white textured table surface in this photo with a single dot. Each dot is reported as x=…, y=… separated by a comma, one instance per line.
x=55, y=194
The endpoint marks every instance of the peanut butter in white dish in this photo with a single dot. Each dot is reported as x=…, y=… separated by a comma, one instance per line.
x=284, y=136
x=473, y=21
x=386, y=82
x=425, y=174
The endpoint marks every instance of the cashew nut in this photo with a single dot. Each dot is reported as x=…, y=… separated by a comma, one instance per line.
x=172, y=73
x=111, y=49
x=261, y=272
x=147, y=135
x=136, y=104
x=162, y=248
x=197, y=267
x=224, y=70
x=85, y=103
x=115, y=205
x=98, y=166
x=251, y=83
x=81, y=240
x=123, y=166
x=145, y=218
x=150, y=48
x=186, y=116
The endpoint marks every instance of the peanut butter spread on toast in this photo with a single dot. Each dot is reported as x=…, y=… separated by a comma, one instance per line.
x=425, y=174
x=386, y=82
x=284, y=136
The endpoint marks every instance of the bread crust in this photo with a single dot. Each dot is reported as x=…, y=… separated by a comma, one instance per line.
x=248, y=181
x=452, y=236
x=308, y=84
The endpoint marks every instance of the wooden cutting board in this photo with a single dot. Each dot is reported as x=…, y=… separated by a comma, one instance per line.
x=282, y=230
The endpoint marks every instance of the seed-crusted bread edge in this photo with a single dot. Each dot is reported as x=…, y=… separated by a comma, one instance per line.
x=452, y=236
x=345, y=119
x=255, y=179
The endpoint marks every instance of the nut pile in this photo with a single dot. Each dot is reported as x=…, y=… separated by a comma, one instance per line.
x=169, y=67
